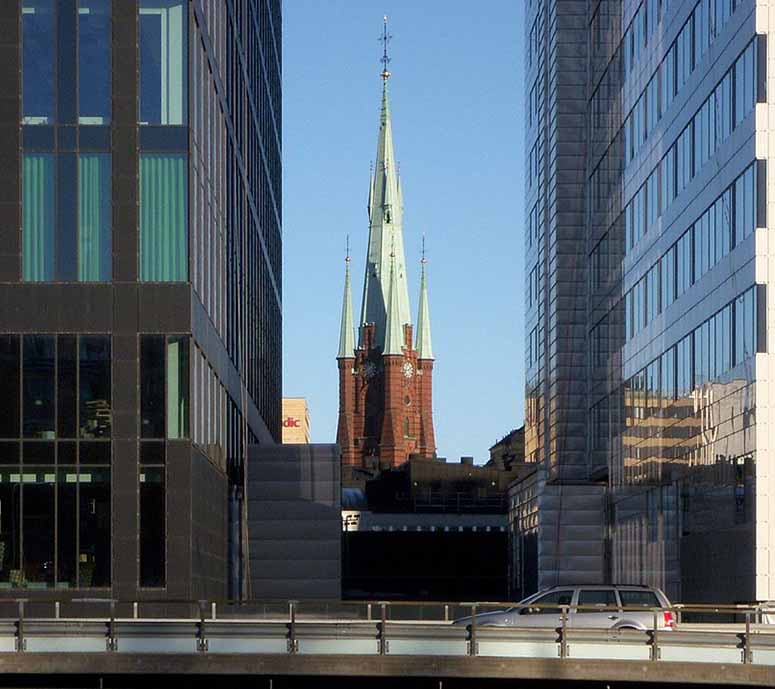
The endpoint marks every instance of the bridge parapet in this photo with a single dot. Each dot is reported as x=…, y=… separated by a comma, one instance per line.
x=370, y=639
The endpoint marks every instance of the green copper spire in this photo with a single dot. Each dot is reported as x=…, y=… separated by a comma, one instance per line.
x=393, y=328
x=346, y=332
x=423, y=344
x=386, y=235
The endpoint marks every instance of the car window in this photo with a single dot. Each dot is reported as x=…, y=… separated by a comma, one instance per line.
x=553, y=598
x=634, y=599
x=601, y=597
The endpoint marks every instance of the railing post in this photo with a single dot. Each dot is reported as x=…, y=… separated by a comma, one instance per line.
x=368, y=612
x=446, y=612
x=474, y=644
x=747, y=652
x=111, y=644
x=383, y=644
x=56, y=610
x=201, y=642
x=655, y=653
x=213, y=610
x=292, y=643
x=21, y=643
x=564, y=631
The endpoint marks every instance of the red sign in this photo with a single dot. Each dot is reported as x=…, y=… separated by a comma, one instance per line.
x=290, y=422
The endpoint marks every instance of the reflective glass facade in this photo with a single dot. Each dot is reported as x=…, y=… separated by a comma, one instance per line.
x=140, y=289
x=667, y=189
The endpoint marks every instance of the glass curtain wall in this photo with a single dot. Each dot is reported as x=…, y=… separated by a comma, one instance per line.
x=163, y=30
x=94, y=217
x=94, y=62
x=164, y=414
x=55, y=453
x=66, y=105
x=38, y=209
x=38, y=62
x=66, y=217
x=51, y=63
x=163, y=217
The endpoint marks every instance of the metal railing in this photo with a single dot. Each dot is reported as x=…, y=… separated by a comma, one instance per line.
x=204, y=626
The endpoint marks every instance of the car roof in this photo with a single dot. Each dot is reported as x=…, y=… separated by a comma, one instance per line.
x=638, y=587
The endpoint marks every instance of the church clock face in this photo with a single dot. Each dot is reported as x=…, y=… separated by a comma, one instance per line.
x=369, y=369
x=408, y=370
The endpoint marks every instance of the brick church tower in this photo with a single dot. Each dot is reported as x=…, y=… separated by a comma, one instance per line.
x=386, y=380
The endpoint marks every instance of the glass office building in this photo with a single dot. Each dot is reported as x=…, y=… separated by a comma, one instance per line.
x=140, y=290
x=648, y=267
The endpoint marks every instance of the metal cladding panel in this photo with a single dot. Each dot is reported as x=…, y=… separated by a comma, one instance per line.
x=294, y=521
x=570, y=535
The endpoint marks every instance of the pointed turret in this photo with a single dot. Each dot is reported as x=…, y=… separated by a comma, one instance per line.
x=385, y=228
x=393, y=326
x=346, y=330
x=423, y=345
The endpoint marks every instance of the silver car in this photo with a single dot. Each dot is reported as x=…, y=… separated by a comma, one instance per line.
x=592, y=607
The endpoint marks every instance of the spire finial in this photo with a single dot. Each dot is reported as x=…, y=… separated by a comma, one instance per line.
x=423, y=260
x=386, y=38
x=347, y=250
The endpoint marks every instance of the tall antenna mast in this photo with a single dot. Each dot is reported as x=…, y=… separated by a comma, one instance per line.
x=385, y=38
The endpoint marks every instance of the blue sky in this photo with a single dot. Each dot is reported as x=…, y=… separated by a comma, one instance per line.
x=456, y=98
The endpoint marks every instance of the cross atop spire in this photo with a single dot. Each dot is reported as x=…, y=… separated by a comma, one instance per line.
x=386, y=38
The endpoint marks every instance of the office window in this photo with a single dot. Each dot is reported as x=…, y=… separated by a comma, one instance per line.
x=94, y=217
x=684, y=366
x=745, y=83
x=66, y=217
x=745, y=205
x=67, y=526
x=163, y=218
x=38, y=386
x=38, y=62
x=667, y=372
x=38, y=209
x=94, y=387
x=67, y=386
x=94, y=517
x=177, y=387
x=163, y=28
x=152, y=386
x=38, y=522
x=94, y=62
x=164, y=386
x=10, y=362
x=745, y=326
x=667, y=275
x=153, y=542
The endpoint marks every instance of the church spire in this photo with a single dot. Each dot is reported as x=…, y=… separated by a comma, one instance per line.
x=346, y=332
x=393, y=326
x=386, y=235
x=423, y=345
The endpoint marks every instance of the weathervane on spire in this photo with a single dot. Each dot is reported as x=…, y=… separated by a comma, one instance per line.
x=386, y=38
